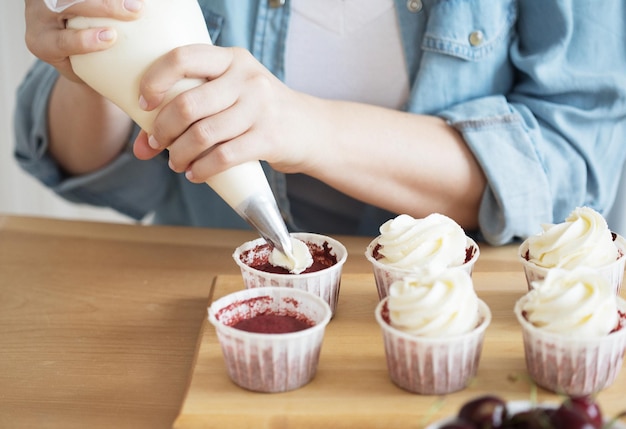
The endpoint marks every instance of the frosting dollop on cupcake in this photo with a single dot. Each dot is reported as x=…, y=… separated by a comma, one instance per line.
x=434, y=305
x=297, y=261
x=574, y=303
x=436, y=242
x=584, y=239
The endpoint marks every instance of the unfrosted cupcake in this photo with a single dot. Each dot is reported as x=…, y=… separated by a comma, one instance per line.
x=408, y=246
x=270, y=337
x=574, y=330
x=433, y=328
x=317, y=268
x=584, y=239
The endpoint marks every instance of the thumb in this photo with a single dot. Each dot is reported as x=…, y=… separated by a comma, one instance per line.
x=142, y=149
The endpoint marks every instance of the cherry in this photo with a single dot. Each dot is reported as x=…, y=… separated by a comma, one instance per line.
x=458, y=424
x=568, y=416
x=489, y=412
x=485, y=412
x=590, y=408
x=536, y=418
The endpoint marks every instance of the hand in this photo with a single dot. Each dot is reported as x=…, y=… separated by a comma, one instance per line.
x=48, y=38
x=242, y=113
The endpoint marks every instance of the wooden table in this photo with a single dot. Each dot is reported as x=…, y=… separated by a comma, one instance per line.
x=100, y=323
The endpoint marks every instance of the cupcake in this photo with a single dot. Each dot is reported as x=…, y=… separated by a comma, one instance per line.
x=407, y=246
x=433, y=328
x=317, y=269
x=574, y=330
x=270, y=337
x=584, y=239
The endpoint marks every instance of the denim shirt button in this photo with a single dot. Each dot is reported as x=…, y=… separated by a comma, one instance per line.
x=277, y=3
x=476, y=38
x=414, y=5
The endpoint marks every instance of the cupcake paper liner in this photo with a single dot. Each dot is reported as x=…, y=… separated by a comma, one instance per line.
x=614, y=271
x=432, y=366
x=270, y=362
x=325, y=283
x=572, y=366
x=385, y=275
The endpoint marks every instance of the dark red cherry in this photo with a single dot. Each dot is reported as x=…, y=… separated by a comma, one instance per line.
x=568, y=416
x=588, y=406
x=458, y=424
x=485, y=412
x=536, y=418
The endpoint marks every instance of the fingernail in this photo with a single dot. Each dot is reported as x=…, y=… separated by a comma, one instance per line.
x=153, y=143
x=189, y=175
x=133, y=5
x=106, y=35
x=143, y=104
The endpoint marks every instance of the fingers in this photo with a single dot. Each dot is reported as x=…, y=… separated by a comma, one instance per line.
x=199, y=151
x=205, y=62
x=204, y=137
x=189, y=107
x=222, y=157
x=77, y=42
x=48, y=38
x=221, y=90
x=56, y=47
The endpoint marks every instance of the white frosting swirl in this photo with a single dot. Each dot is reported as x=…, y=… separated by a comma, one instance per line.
x=439, y=305
x=297, y=261
x=436, y=242
x=583, y=239
x=577, y=302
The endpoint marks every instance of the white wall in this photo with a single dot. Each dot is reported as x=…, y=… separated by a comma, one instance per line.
x=19, y=193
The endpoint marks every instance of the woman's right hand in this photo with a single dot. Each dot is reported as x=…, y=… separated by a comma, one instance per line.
x=48, y=38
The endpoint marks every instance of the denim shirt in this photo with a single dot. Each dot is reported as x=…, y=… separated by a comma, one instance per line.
x=536, y=88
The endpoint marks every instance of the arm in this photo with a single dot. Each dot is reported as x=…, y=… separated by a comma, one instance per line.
x=57, y=116
x=86, y=131
x=554, y=141
x=397, y=161
x=402, y=162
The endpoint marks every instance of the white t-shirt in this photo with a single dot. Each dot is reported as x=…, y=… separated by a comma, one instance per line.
x=347, y=50
x=344, y=50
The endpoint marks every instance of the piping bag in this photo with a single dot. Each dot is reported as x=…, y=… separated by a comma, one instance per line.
x=115, y=74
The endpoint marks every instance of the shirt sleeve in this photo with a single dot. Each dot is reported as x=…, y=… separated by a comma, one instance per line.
x=555, y=141
x=109, y=186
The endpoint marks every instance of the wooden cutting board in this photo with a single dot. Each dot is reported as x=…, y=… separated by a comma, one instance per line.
x=352, y=388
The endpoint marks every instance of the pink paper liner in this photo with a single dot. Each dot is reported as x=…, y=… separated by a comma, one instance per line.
x=572, y=366
x=325, y=283
x=270, y=362
x=432, y=366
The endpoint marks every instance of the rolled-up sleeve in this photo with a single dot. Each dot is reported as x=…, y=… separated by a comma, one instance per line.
x=107, y=187
x=557, y=139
